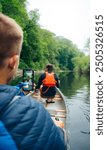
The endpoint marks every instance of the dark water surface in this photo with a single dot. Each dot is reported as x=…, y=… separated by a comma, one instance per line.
x=76, y=90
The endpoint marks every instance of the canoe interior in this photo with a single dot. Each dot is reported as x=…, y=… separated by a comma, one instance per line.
x=57, y=109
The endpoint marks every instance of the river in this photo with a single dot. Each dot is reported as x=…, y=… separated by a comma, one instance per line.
x=77, y=93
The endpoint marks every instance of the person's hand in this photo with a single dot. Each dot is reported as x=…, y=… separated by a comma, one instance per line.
x=36, y=90
x=22, y=84
x=59, y=123
x=34, y=86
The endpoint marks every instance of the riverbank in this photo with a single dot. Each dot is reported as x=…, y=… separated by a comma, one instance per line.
x=20, y=72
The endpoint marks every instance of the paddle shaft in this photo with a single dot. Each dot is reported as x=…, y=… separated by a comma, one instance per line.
x=60, y=116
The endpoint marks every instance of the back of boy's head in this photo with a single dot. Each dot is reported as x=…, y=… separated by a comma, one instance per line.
x=49, y=68
x=11, y=37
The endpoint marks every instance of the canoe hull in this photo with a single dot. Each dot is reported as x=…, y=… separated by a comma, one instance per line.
x=57, y=110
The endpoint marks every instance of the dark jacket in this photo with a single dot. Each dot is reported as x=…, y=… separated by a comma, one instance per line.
x=6, y=142
x=47, y=91
x=28, y=122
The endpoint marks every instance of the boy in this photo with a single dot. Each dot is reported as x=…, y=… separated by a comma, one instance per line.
x=29, y=124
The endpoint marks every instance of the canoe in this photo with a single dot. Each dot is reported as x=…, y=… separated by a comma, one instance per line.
x=58, y=109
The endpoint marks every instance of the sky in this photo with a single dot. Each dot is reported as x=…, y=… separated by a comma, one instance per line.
x=68, y=18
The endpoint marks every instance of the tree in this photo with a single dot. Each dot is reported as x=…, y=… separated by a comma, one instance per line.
x=0, y=7
x=16, y=10
x=41, y=46
x=66, y=51
x=82, y=64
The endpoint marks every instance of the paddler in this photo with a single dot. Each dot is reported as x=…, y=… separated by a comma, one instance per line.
x=47, y=83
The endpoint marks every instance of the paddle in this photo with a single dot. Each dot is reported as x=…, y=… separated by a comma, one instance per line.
x=60, y=116
x=58, y=110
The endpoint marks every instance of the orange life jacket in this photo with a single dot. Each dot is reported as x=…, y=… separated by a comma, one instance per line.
x=49, y=80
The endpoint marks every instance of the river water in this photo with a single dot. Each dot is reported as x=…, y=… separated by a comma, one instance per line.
x=76, y=91
x=77, y=94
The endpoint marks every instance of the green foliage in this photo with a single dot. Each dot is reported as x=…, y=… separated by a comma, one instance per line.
x=41, y=46
x=82, y=64
x=15, y=9
x=67, y=50
x=0, y=7
x=15, y=81
x=22, y=64
x=48, y=46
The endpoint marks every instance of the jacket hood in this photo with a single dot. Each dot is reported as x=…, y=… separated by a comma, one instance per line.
x=7, y=93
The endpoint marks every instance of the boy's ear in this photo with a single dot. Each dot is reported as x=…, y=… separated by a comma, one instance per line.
x=13, y=61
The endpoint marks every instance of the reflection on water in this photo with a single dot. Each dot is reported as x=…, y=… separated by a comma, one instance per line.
x=76, y=91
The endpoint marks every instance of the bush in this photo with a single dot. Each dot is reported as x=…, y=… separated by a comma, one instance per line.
x=22, y=65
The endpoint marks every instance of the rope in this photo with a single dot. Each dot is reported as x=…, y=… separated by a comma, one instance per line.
x=44, y=91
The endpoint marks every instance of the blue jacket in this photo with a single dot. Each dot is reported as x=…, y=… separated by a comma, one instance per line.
x=6, y=142
x=29, y=124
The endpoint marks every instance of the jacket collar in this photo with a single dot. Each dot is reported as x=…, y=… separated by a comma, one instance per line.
x=7, y=93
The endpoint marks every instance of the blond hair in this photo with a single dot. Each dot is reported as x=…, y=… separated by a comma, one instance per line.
x=11, y=37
